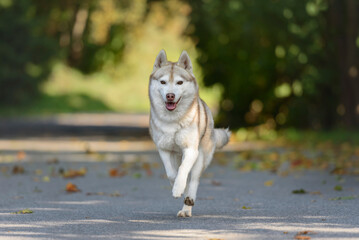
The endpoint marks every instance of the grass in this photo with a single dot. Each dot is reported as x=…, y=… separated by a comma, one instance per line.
x=335, y=136
x=293, y=136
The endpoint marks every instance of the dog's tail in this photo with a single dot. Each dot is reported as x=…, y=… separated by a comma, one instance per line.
x=222, y=137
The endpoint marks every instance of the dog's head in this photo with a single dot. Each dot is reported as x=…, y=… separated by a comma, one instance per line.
x=172, y=84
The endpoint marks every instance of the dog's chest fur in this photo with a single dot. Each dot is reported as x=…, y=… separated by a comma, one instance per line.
x=171, y=136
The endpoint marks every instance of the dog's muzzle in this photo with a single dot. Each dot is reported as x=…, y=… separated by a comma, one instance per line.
x=172, y=105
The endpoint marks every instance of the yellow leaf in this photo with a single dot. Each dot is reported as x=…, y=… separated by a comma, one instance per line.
x=46, y=179
x=268, y=183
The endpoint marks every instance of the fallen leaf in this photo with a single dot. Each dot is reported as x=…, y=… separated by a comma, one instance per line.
x=316, y=193
x=25, y=211
x=244, y=207
x=338, y=188
x=21, y=155
x=301, y=237
x=18, y=170
x=114, y=172
x=36, y=179
x=137, y=175
x=207, y=175
x=115, y=194
x=46, y=179
x=268, y=183
x=38, y=172
x=72, y=173
x=216, y=183
x=147, y=168
x=343, y=198
x=285, y=232
x=299, y=191
x=70, y=187
x=296, y=162
x=338, y=171
x=156, y=165
x=4, y=169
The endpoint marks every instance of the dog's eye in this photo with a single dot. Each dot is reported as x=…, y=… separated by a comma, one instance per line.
x=180, y=82
x=163, y=82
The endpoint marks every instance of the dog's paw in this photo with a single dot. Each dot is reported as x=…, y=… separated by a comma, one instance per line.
x=184, y=213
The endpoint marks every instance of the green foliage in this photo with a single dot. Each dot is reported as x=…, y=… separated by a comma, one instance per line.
x=46, y=104
x=275, y=59
x=25, y=52
x=90, y=34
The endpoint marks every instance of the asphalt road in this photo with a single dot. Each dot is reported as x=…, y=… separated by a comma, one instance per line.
x=139, y=205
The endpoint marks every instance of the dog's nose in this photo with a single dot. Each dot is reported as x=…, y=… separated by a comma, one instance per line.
x=170, y=96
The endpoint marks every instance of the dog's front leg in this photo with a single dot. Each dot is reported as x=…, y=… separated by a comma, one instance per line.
x=171, y=170
x=188, y=159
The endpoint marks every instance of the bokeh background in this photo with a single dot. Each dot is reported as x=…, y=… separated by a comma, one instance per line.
x=266, y=68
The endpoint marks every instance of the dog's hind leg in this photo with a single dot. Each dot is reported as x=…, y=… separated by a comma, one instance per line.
x=191, y=190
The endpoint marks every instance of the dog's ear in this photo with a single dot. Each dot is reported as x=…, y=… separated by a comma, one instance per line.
x=185, y=62
x=160, y=60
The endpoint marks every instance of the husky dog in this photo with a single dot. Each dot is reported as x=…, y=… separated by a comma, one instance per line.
x=181, y=125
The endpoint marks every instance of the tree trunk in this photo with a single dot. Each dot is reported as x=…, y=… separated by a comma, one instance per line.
x=344, y=17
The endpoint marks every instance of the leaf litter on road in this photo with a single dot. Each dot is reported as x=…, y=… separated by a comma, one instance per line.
x=18, y=169
x=147, y=168
x=343, y=198
x=72, y=173
x=72, y=188
x=268, y=183
x=338, y=188
x=114, y=194
x=114, y=172
x=299, y=191
x=246, y=208
x=303, y=235
x=216, y=183
x=24, y=211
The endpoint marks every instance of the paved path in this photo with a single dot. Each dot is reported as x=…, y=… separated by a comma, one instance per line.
x=139, y=204
x=146, y=210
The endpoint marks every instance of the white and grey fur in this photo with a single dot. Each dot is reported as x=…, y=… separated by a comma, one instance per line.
x=185, y=137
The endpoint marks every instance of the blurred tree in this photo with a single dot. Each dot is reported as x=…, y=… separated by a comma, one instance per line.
x=91, y=33
x=88, y=35
x=344, y=22
x=281, y=62
x=25, y=52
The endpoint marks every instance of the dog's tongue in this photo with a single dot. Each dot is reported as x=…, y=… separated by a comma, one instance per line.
x=170, y=106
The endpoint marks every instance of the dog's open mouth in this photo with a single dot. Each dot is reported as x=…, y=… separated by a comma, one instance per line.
x=172, y=105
